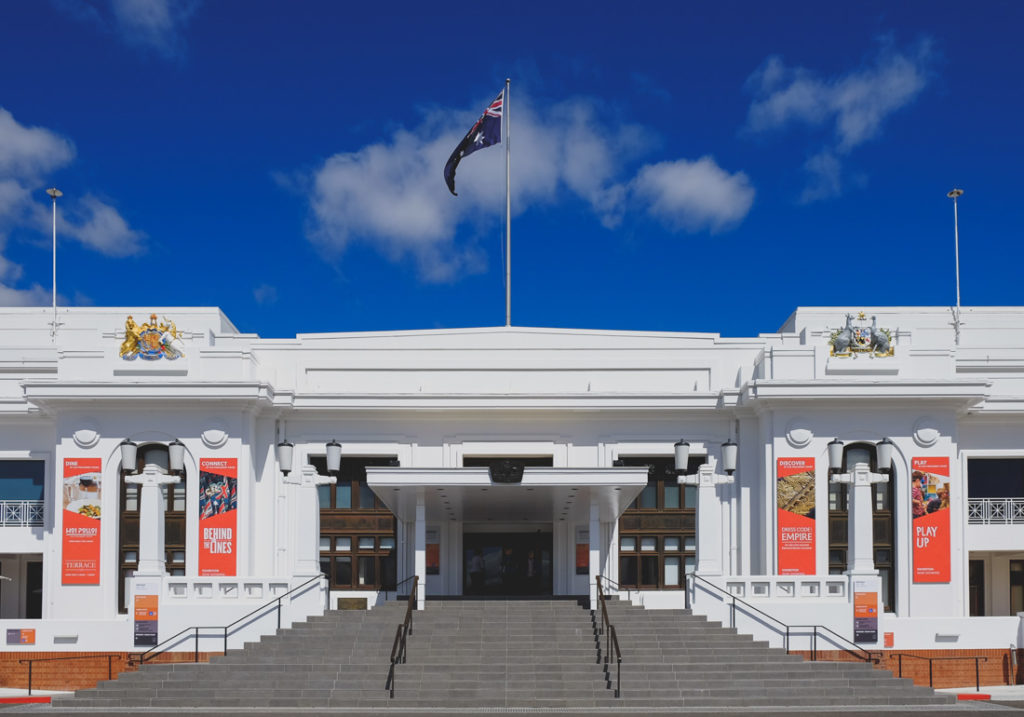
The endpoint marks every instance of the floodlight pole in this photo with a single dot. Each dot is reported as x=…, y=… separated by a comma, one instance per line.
x=508, y=207
x=54, y=193
x=953, y=194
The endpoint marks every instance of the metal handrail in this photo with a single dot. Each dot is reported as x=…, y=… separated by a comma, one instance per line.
x=394, y=588
x=612, y=639
x=110, y=657
x=402, y=632
x=619, y=588
x=867, y=655
x=162, y=647
x=976, y=658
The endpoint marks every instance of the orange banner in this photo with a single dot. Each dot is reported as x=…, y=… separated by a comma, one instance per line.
x=218, y=513
x=929, y=504
x=80, y=544
x=794, y=493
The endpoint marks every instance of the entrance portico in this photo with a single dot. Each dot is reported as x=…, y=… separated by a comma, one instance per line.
x=565, y=502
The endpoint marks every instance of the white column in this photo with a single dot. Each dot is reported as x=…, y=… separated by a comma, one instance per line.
x=709, y=517
x=152, y=558
x=595, y=549
x=421, y=549
x=305, y=515
x=861, y=553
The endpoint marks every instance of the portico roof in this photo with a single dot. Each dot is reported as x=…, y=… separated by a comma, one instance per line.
x=544, y=495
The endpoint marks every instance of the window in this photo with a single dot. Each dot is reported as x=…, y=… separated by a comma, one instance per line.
x=174, y=496
x=21, y=480
x=995, y=477
x=658, y=543
x=357, y=532
x=884, y=523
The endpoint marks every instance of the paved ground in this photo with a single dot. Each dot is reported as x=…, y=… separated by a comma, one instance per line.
x=1004, y=700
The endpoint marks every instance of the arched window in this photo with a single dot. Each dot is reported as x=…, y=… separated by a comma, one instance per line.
x=174, y=520
x=884, y=520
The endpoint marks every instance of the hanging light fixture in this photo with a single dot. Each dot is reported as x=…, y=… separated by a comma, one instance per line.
x=284, y=456
x=682, y=456
x=883, y=455
x=129, y=451
x=729, y=452
x=835, y=456
x=176, y=456
x=333, y=457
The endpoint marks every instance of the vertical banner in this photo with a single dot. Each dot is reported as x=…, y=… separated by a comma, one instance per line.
x=147, y=612
x=218, y=515
x=433, y=551
x=582, y=551
x=80, y=544
x=794, y=495
x=929, y=504
x=865, y=612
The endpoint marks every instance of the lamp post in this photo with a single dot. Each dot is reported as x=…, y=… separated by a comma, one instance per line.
x=954, y=194
x=709, y=531
x=860, y=478
x=54, y=194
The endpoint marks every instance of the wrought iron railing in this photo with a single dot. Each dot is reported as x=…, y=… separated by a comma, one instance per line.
x=195, y=632
x=783, y=629
x=20, y=513
x=612, y=639
x=108, y=657
x=398, y=649
x=931, y=660
x=998, y=511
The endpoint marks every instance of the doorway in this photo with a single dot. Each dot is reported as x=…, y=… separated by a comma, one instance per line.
x=506, y=564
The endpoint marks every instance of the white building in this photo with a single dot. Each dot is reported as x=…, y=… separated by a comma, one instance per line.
x=583, y=423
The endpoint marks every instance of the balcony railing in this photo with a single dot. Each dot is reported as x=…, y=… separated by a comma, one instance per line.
x=995, y=511
x=20, y=513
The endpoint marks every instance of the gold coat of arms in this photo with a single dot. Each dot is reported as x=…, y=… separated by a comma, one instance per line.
x=152, y=340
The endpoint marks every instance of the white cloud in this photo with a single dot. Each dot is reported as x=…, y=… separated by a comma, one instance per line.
x=155, y=25
x=27, y=155
x=691, y=196
x=30, y=150
x=852, y=106
x=265, y=294
x=100, y=227
x=391, y=194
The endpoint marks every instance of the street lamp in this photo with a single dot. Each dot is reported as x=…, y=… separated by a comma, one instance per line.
x=129, y=451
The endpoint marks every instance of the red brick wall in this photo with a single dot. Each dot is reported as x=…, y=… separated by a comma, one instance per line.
x=994, y=670
x=77, y=674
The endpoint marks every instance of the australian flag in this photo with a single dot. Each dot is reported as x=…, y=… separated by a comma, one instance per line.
x=484, y=133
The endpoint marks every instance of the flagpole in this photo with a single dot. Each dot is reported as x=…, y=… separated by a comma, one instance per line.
x=508, y=209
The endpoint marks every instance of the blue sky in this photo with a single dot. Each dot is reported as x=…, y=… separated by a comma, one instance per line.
x=675, y=166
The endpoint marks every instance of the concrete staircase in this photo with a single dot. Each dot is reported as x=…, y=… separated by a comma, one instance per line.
x=673, y=658
x=506, y=654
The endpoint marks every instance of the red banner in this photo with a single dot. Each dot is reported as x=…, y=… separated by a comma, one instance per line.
x=80, y=546
x=794, y=493
x=929, y=503
x=218, y=515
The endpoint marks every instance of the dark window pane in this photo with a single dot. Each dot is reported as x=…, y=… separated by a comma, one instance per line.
x=649, y=496
x=323, y=494
x=344, y=497
x=690, y=496
x=388, y=571
x=366, y=496
x=21, y=480
x=325, y=567
x=343, y=571
x=671, y=495
x=627, y=570
x=367, y=571
x=649, y=570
